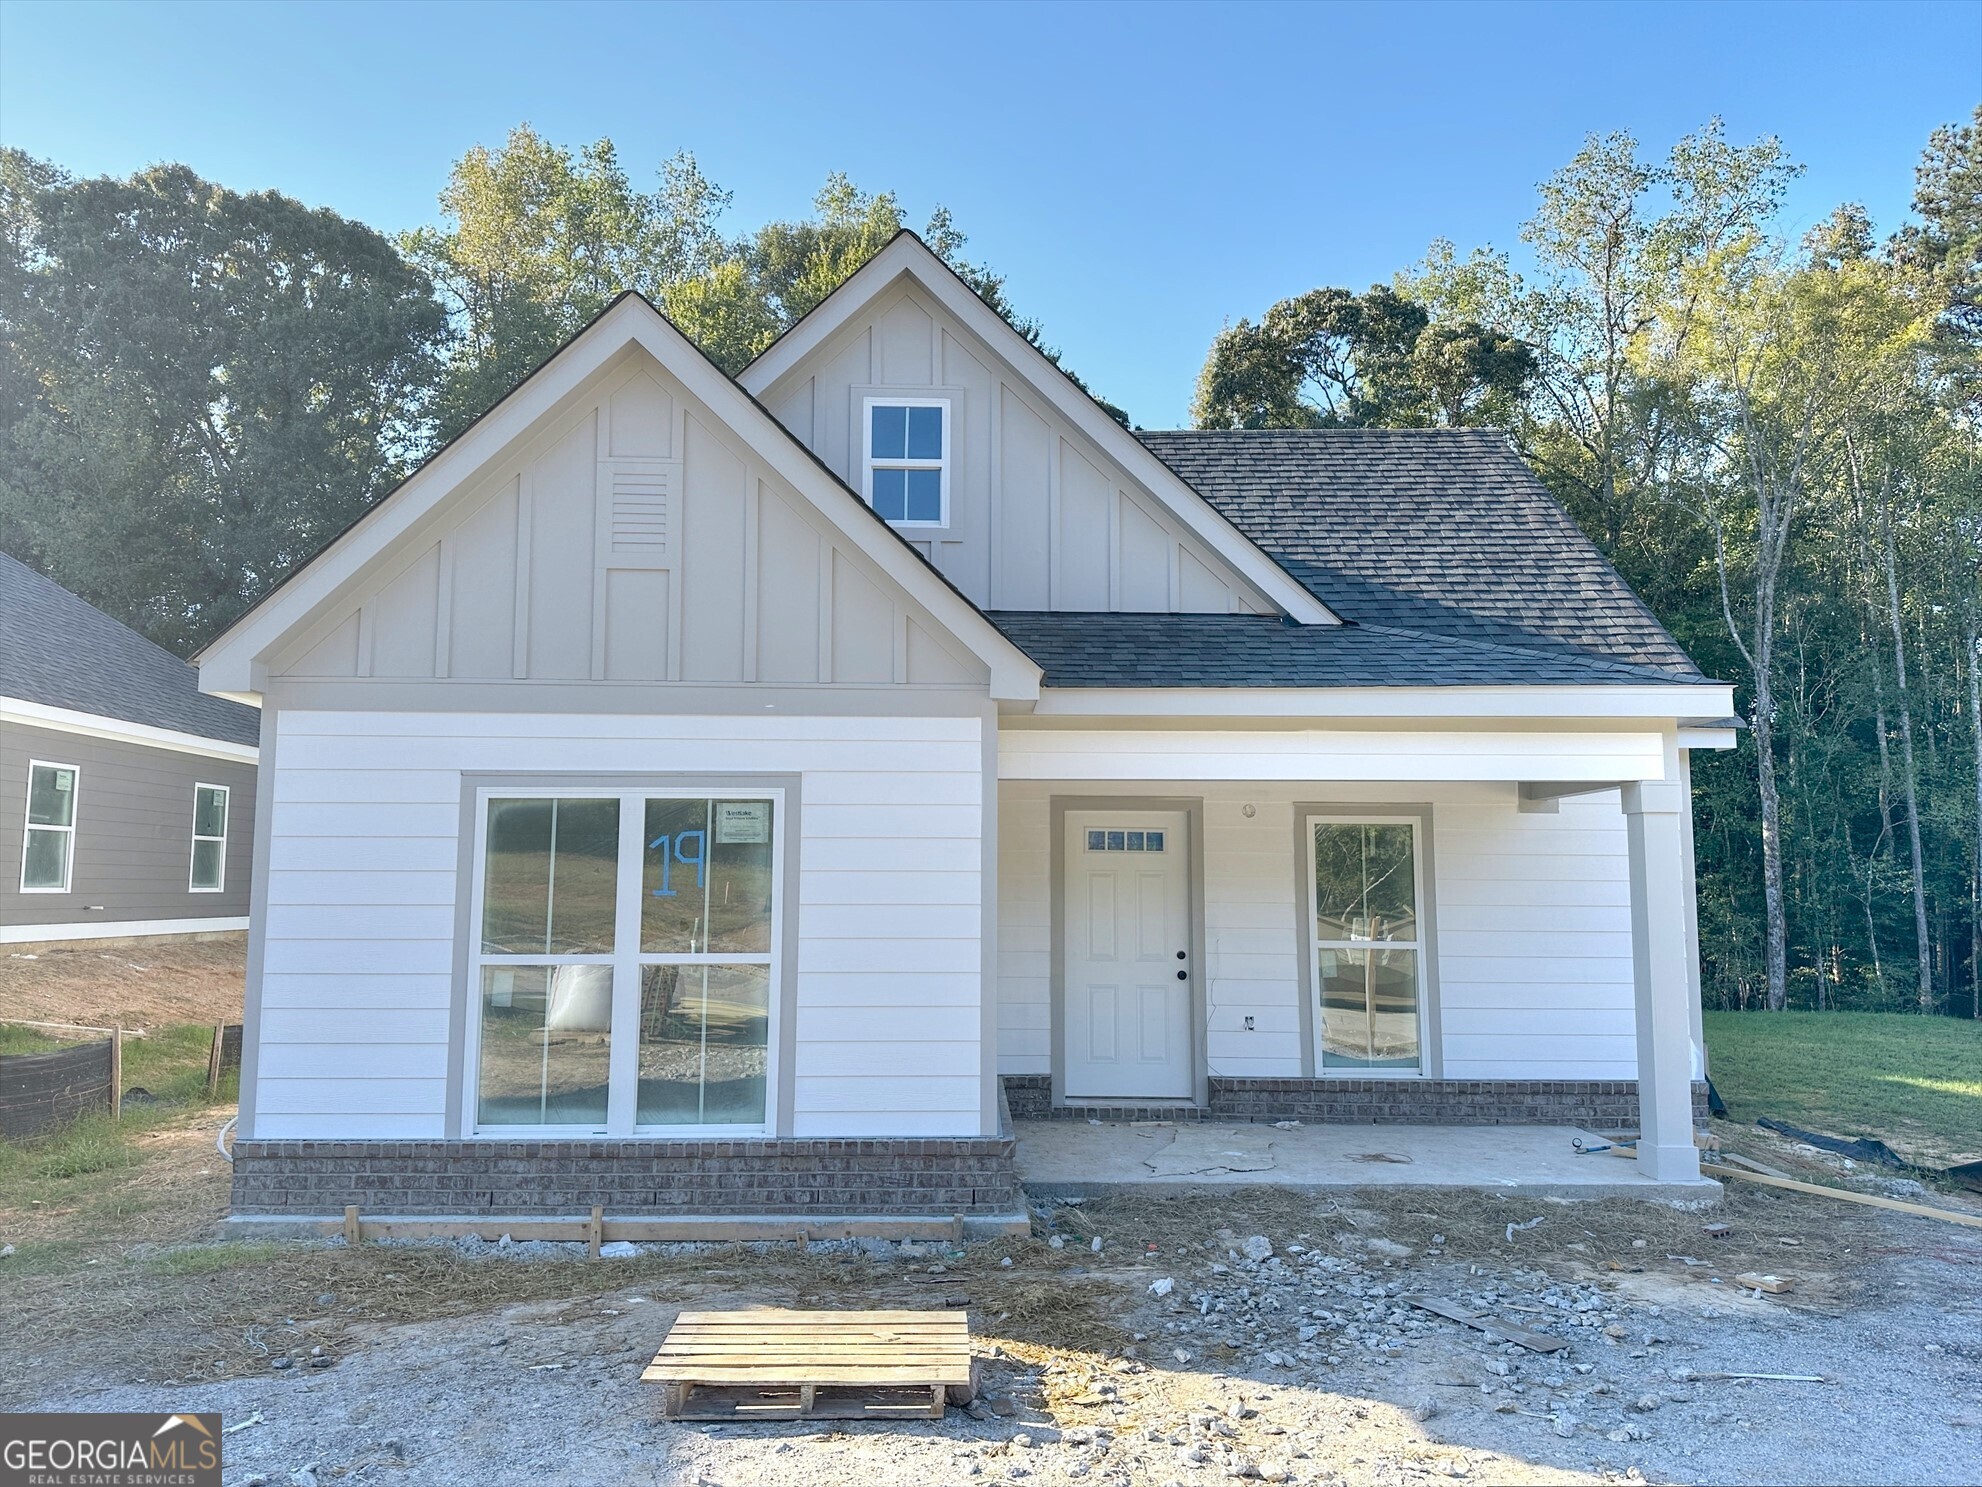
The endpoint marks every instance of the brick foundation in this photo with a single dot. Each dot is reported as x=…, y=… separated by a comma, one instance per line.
x=1599, y=1104
x=942, y=1176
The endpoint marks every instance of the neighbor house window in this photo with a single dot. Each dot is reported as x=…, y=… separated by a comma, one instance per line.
x=908, y=460
x=49, y=852
x=624, y=963
x=209, y=838
x=1368, y=957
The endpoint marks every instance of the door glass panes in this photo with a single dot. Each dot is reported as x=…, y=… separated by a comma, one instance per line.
x=550, y=877
x=706, y=877
x=1365, y=883
x=704, y=1033
x=1366, y=945
x=546, y=1045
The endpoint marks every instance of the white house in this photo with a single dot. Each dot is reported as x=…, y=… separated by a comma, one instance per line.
x=701, y=796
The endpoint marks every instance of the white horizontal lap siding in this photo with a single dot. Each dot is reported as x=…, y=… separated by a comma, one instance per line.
x=1534, y=953
x=1533, y=920
x=358, y=963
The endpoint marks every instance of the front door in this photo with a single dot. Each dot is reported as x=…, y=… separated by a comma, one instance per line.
x=1128, y=968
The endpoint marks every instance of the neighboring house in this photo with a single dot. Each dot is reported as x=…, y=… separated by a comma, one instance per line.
x=695, y=796
x=127, y=796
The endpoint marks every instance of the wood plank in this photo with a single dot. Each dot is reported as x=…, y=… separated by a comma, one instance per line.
x=1919, y=1210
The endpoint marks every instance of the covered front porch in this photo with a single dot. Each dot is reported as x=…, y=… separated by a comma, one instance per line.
x=1421, y=930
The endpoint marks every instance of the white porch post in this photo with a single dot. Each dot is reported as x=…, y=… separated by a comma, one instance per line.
x=1658, y=953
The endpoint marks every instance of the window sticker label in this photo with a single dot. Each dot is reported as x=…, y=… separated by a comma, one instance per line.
x=743, y=821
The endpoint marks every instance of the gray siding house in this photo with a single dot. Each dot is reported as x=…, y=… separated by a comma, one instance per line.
x=127, y=796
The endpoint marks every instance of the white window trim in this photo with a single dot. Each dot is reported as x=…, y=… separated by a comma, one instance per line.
x=942, y=466
x=28, y=828
x=622, y=1069
x=226, y=820
x=1315, y=945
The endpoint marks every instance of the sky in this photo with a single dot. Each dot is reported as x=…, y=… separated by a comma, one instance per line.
x=1142, y=174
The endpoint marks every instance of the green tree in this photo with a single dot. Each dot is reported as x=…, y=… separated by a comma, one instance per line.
x=536, y=240
x=1333, y=359
x=198, y=387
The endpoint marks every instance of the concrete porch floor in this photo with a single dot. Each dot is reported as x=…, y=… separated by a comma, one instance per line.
x=1073, y=1158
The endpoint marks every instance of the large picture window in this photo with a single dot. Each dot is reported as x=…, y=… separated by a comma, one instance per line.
x=1368, y=954
x=624, y=963
x=48, y=853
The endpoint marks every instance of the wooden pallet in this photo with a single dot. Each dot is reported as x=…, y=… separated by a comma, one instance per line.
x=768, y=1364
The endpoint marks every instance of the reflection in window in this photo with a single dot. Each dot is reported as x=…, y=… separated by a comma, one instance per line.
x=546, y=1045
x=703, y=1036
x=48, y=853
x=551, y=877
x=1366, y=944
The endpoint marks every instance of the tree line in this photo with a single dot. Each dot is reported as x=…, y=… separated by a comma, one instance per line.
x=1772, y=435
x=1775, y=439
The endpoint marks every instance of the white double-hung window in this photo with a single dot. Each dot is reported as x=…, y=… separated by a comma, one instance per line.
x=209, y=838
x=1369, y=954
x=623, y=966
x=48, y=853
x=907, y=459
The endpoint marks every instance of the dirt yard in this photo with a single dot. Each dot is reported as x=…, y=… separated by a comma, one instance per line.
x=139, y=984
x=1283, y=1348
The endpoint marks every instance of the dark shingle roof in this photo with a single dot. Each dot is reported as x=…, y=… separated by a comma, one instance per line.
x=1243, y=650
x=60, y=651
x=1443, y=532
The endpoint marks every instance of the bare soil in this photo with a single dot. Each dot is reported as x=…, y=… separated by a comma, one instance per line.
x=134, y=984
x=458, y=1364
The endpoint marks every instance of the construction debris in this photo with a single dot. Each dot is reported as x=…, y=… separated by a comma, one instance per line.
x=1499, y=1331
x=1775, y=1285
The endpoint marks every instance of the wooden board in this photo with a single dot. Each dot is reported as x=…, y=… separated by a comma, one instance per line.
x=1869, y=1200
x=770, y=1364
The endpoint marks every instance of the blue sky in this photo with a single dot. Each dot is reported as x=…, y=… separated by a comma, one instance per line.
x=1141, y=173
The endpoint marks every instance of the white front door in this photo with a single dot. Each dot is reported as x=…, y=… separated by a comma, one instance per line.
x=1129, y=970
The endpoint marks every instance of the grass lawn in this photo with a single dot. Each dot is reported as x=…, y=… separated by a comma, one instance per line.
x=1915, y=1082
x=169, y=1064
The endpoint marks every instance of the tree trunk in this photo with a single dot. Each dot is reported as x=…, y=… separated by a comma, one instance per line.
x=1765, y=781
x=1974, y=662
x=1909, y=775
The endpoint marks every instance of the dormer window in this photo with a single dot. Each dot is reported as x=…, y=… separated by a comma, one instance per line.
x=908, y=460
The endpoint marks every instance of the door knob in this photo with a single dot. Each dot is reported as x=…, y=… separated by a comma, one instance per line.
x=1180, y=955
x=1183, y=975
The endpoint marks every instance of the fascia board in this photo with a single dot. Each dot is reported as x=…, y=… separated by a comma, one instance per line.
x=94, y=725
x=1623, y=703
x=908, y=255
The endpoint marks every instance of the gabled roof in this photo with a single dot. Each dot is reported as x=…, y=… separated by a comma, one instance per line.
x=1442, y=532
x=1243, y=650
x=57, y=650
x=229, y=662
x=906, y=255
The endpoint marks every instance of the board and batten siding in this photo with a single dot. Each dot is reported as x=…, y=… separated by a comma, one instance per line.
x=634, y=538
x=359, y=948
x=1533, y=910
x=1040, y=517
x=134, y=831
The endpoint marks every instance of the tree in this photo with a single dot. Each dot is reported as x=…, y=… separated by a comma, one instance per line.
x=198, y=387
x=536, y=240
x=1333, y=359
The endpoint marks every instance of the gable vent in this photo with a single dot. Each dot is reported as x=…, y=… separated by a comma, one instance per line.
x=640, y=515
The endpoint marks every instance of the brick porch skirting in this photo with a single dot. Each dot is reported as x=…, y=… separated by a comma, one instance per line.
x=940, y=1176
x=1601, y=1104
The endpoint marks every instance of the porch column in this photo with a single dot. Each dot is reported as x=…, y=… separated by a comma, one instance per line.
x=1652, y=811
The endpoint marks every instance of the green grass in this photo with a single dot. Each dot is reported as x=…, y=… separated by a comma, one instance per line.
x=1914, y=1082
x=55, y=1166
x=208, y=1259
